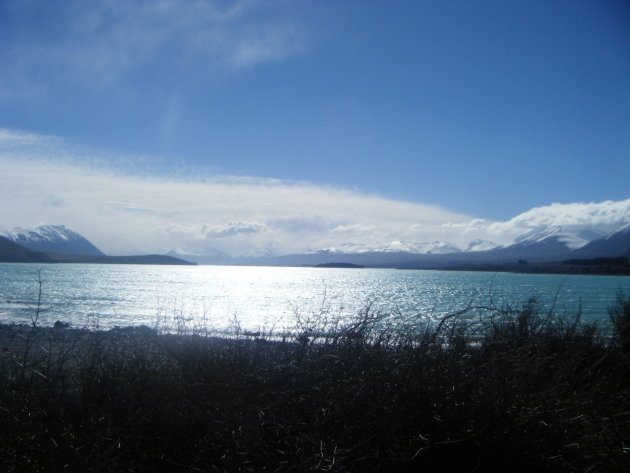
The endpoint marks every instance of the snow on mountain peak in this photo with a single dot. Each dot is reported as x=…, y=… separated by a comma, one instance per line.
x=53, y=238
x=619, y=231
x=437, y=248
x=345, y=248
x=571, y=238
x=55, y=232
x=396, y=246
x=481, y=245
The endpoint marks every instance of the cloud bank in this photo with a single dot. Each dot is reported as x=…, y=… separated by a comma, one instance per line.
x=601, y=217
x=127, y=212
x=124, y=211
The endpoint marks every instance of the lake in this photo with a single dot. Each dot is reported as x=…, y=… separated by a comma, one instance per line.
x=219, y=297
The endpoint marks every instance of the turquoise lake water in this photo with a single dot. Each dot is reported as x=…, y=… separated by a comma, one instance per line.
x=103, y=296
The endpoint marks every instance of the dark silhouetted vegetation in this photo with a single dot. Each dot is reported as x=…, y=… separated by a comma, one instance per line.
x=515, y=389
x=595, y=266
x=338, y=265
x=597, y=261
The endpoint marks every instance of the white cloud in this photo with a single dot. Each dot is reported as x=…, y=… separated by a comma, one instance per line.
x=607, y=213
x=604, y=216
x=352, y=229
x=123, y=211
x=232, y=229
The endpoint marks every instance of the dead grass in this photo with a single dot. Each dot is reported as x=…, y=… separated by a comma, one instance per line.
x=518, y=391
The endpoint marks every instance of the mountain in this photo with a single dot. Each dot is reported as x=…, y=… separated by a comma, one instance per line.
x=11, y=252
x=481, y=245
x=54, y=239
x=346, y=248
x=59, y=243
x=394, y=247
x=563, y=237
x=538, y=245
x=613, y=245
x=367, y=258
x=545, y=244
x=436, y=248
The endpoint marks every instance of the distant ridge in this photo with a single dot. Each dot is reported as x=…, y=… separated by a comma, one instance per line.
x=135, y=259
x=339, y=265
x=543, y=245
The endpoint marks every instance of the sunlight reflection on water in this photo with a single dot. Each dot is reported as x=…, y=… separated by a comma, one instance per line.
x=109, y=295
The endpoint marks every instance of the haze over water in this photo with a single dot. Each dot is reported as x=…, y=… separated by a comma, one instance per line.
x=104, y=296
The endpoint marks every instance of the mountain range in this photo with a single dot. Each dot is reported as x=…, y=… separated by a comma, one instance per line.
x=541, y=245
x=51, y=243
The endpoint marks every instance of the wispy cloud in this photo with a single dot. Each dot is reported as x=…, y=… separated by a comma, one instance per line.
x=271, y=43
x=95, y=43
x=22, y=139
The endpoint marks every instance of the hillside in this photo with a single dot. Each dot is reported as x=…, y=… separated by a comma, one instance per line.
x=614, y=245
x=13, y=253
x=135, y=259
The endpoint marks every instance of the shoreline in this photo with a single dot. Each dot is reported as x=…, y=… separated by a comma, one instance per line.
x=545, y=268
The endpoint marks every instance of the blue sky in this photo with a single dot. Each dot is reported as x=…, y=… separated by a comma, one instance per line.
x=483, y=109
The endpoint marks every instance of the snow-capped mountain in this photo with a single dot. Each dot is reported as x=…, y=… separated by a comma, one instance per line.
x=481, y=245
x=545, y=243
x=437, y=248
x=345, y=248
x=552, y=243
x=53, y=239
x=396, y=246
x=571, y=239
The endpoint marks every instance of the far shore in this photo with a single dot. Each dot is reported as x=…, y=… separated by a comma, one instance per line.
x=547, y=268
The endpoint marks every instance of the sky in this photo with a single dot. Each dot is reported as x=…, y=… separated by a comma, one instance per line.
x=284, y=126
